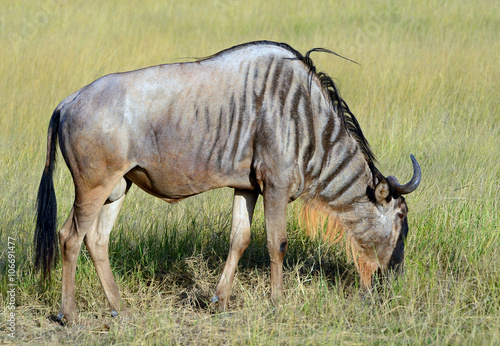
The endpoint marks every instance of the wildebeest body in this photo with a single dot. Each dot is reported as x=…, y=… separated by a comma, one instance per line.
x=257, y=118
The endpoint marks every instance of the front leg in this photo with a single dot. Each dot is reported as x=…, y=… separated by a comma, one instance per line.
x=243, y=206
x=275, y=203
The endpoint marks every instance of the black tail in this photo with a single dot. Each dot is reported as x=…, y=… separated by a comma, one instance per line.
x=45, y=239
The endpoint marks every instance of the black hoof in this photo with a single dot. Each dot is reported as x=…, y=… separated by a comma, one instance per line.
x=59, y=319
x=214, y=299
x=114, y=313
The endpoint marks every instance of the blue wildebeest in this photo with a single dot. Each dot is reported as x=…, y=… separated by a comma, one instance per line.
x=256, y=117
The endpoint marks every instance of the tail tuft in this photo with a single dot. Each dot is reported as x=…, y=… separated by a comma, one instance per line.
x=45, y=238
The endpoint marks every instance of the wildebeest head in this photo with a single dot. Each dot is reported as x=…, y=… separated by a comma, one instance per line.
x=376, y=230
x=398, y=254
x=382, y=248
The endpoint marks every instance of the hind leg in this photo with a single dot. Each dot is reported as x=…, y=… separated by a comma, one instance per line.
x=82, y=218
x=70, y=248
x=97, y=241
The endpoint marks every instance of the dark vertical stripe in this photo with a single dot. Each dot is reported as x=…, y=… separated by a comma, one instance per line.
x=294, y=113
x=207, y=118
x=240, y=116
x=286, y=119
x=340, y=190
x=276, y=80
x=328, y=144
x=342, y=165
x=260, y=86
x=307, y=115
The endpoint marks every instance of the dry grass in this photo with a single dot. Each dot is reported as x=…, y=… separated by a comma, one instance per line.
x=428, y=85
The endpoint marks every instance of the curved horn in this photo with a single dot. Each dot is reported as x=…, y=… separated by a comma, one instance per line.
x=411, y=185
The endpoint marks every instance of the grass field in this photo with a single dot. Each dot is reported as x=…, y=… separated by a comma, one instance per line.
x=428, y=84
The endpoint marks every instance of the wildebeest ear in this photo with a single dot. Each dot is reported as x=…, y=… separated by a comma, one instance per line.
x=382, y=192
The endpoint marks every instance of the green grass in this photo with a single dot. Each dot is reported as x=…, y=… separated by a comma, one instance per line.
x=428, y=84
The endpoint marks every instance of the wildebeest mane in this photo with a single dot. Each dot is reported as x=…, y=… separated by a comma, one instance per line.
x=341, y=108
